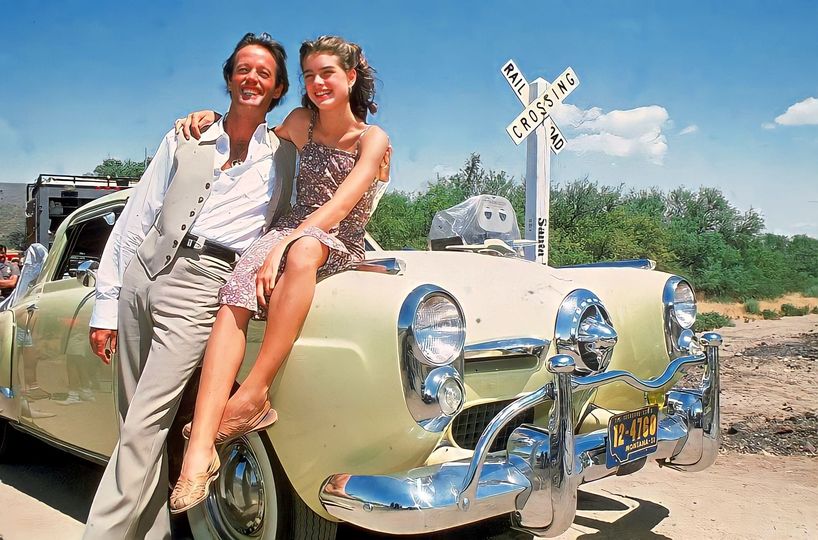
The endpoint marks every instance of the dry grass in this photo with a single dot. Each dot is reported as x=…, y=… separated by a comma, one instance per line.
x=735, y=310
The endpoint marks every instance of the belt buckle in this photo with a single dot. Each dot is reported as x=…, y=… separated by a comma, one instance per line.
x=198, y=243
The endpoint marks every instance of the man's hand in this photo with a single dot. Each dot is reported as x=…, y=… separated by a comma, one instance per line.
x=195, y=123
x=383, y=168
x=103, y=343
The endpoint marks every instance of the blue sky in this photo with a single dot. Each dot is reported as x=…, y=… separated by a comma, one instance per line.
x=719, y=94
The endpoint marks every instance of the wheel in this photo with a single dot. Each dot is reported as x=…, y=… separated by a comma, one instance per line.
x=252, y=499
x=306, y=524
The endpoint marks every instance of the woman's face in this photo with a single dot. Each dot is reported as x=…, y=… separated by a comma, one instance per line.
x=326, y=82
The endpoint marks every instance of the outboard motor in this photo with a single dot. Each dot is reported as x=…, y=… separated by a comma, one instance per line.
x=473, y=222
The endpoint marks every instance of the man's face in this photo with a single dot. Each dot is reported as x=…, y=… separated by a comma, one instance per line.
x=253, y=82
x=2, y=257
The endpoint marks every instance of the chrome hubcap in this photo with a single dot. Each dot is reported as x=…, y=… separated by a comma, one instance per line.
x=236, y=503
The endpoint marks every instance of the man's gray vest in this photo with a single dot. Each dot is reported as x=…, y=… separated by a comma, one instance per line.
x=190, y=184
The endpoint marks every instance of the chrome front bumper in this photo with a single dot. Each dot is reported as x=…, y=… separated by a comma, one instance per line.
x=536, y=479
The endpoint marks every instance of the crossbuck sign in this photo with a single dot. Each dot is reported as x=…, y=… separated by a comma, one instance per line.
x=538, y=98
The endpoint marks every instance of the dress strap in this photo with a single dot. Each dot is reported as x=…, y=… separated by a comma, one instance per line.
x=361, y=136
x=312, y=125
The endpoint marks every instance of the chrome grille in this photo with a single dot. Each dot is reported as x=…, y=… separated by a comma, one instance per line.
x=470, y=423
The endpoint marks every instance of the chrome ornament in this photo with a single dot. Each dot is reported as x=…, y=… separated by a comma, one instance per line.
x=585, y=332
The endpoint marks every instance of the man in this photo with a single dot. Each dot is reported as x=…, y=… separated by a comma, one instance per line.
x=9, y=274
x=199, y=204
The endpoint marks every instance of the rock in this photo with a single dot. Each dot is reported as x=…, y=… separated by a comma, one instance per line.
x=732, y=430
x=809, y=447
x=739, y=354
x=783, y=430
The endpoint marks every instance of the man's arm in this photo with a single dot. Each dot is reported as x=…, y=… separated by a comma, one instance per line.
x=128, y=233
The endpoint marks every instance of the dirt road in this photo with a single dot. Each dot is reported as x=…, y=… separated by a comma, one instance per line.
x=763, y=486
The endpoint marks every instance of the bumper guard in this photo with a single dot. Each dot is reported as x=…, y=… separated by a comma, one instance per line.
x=536, y=479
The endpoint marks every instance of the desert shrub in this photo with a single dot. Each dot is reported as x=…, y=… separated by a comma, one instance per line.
x=751, y=306
x=770, y=314
x=710, y=321
x=811, y=291
x=789, y=310
x=814, y=310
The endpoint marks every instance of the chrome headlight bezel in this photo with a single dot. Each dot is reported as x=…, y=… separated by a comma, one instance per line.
x=680, y=310
x=585, y=332
x=425, y=373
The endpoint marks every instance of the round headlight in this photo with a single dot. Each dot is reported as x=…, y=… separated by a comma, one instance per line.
x=450, y=396
x=684, y=304
x=439, y=330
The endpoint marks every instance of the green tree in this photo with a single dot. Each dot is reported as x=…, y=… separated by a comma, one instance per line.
x=118, y=168
x=698, y=234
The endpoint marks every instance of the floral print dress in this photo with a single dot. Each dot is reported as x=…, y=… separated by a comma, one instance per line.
x=321, y=171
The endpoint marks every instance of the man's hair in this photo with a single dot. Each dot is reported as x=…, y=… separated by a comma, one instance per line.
x=279, y=54
x=3, y=248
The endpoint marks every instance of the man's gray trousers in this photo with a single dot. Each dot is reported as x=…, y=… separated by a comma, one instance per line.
x=163, y=324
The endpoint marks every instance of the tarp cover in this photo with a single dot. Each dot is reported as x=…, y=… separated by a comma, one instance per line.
x=473, y=222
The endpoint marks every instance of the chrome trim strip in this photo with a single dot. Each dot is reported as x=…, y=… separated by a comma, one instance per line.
x=537, y=479
x=499, y=348
x=387, y=265
x=644, y=264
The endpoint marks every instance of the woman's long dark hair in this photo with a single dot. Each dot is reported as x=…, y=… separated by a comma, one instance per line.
x=362, y=95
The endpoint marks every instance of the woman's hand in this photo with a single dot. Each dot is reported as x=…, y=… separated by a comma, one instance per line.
x=195, y=123
x=266, y=277
x=383, y=168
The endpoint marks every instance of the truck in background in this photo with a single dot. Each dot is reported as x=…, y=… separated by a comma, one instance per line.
x=53, y=197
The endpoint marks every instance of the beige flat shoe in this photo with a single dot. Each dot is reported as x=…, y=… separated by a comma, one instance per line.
x=265, y=418
x=189, y=492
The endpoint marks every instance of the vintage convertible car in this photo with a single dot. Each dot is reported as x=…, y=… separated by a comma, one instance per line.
x=427, y=390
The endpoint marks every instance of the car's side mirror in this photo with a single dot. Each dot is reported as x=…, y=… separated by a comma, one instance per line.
x=87, y=273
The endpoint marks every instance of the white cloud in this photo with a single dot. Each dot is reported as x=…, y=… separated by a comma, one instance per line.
x=444, y=170
x=802, y=113
x=768, y=125
x=689, y=129
x=632, y=132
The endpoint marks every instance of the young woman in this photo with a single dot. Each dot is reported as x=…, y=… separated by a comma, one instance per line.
x=340, y=155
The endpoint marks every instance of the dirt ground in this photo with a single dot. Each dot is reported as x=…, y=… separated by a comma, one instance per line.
x=762, y=486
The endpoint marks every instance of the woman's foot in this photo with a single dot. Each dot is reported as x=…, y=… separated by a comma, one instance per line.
x=193, y=487
x=243, y=418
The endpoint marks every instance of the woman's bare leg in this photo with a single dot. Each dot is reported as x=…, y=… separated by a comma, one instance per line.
x=288, y=308
x=222, y=360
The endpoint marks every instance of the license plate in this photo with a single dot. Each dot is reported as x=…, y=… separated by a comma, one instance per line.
x=632, y=435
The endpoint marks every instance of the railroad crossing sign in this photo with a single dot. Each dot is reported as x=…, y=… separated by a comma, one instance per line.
x=538, y=98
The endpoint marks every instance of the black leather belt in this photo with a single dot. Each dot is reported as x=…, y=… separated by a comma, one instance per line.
x=206, y=247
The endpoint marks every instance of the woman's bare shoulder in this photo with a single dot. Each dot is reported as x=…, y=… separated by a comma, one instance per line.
x=295, y=126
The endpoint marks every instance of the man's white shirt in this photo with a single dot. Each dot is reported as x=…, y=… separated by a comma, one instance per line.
x=233, y=216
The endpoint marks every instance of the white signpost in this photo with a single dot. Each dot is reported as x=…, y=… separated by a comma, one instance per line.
x=538, y=98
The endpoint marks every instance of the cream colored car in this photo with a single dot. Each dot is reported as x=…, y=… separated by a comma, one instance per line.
x=427, y=390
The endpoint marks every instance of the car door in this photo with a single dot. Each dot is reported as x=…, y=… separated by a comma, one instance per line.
x=68, y=392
